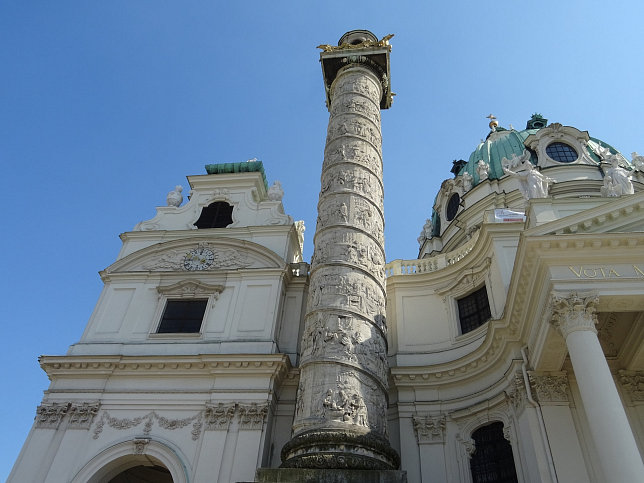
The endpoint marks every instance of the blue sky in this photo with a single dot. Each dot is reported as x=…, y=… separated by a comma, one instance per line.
x=106, y=106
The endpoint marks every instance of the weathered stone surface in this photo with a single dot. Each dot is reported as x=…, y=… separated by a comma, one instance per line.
x=296, y=475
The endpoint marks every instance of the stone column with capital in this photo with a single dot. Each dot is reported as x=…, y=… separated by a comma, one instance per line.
x=575, y=316
x=341, y=407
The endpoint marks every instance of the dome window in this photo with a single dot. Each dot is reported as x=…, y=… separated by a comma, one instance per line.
x=452, y=206
x=561, y=152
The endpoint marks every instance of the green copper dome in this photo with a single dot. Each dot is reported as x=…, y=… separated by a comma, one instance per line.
x=504, y=143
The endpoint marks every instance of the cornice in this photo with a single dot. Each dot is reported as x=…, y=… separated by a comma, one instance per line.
x=611, y=213
x=276, y=366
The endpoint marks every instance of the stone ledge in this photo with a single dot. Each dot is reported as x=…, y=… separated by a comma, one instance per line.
x=299, y=475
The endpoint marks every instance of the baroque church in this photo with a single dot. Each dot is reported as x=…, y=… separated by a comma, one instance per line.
x=510, y=350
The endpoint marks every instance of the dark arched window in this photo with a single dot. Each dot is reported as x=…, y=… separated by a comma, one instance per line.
x=216, y=215
x=492, y=461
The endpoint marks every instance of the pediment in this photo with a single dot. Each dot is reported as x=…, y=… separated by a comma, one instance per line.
x=204, y=254
x=619, y=215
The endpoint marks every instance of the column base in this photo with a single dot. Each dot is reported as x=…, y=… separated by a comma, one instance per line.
x=302, y=475
x=339, y=449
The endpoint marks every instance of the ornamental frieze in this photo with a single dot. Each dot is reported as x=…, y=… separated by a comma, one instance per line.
x=202, y=257
x=344, y=338
x=50, y=415
x=351, y=178
x=356, y=105
x=353, y=151
x=355, y=127
x=341, y=210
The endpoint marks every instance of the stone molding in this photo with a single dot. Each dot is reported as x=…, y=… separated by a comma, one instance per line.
x=80, y=415
x=271, y=365
x=633, y=384
x=140, y=444
x=429, y=429
x=574, y=311
x=549, y=387
x=190, y=289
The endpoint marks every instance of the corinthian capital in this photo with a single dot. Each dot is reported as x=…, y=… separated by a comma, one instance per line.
x=572, y=311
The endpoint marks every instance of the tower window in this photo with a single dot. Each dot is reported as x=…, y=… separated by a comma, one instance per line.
x=452, y=206
x=182, y=316
x=492, y=461
x=561, y=152
x=474, y=310
x=216, y=215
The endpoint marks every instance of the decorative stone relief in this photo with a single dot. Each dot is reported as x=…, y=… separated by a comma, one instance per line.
x=341, y=337
x=354, y=127
x=574, y=311
x=218, y=417
x=633, y=384
x=149, y=419
x=140, y=444
x=637, y=161
x=468, y=180
x=81, y=415
x=429, y=429
x=516, y=392
x=191, y=289
x=221, y=259
x=468, y=445
x=49, y=415
x=351, y=178
x=355, y=105
x=175, y=198
x=354, y=212
x=252, y=416
x=354, y=151
x=275, y=192
x=482, y=169
x=350, y=247
x=617, y=180
x=549, y=387
x=347, y=290
x=532, y=183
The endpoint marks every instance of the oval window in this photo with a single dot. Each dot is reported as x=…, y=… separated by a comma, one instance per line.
x=452, y=206
x=562, y=152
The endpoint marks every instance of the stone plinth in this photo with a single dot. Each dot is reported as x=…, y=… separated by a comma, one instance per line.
x=297, y=475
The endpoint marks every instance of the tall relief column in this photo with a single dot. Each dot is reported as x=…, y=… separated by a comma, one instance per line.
x=574, y=315
x=341, y=407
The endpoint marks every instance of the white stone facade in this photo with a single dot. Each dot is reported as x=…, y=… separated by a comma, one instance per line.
x=559, y=362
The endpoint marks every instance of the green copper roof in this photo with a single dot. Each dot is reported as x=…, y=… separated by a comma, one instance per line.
x=243, y=167
x=500, y=144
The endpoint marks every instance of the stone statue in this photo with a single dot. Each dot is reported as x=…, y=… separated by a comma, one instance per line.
x=610, y=189
x=467, y=181
x=482, y=169
x=638, y=161
x=619, y=176
x=532, y=183
x=275, y=192
x=175, y=198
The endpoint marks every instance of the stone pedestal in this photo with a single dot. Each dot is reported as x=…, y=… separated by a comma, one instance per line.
x=297, y=475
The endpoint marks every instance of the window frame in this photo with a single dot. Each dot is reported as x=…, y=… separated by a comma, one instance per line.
x=171, y=300
x=184, y=290
x=457, y=301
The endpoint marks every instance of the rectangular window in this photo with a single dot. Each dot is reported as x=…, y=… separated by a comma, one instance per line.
x=182, y=316
x=473, y=310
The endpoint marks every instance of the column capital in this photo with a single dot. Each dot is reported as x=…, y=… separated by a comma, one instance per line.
x=429, y=429
x=573, y=311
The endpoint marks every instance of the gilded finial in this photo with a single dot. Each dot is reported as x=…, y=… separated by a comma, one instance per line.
x=493, y=122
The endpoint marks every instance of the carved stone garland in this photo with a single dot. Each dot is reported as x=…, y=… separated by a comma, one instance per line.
x=340, y=418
